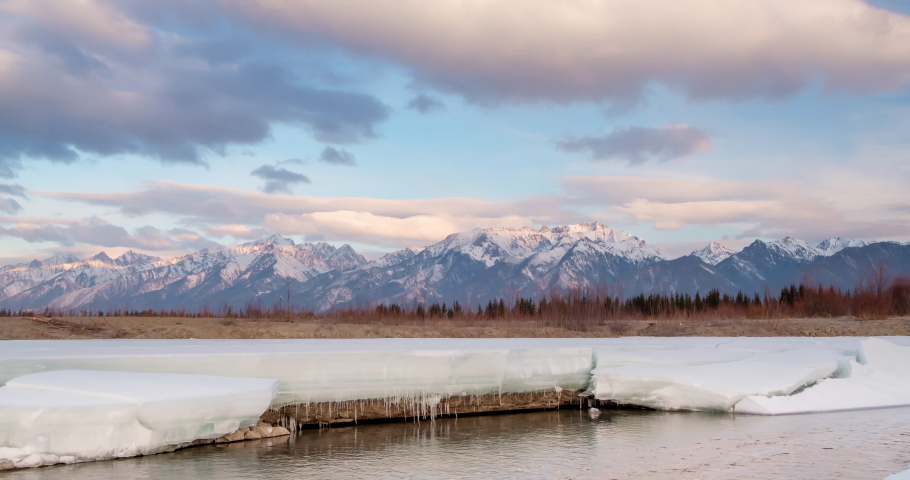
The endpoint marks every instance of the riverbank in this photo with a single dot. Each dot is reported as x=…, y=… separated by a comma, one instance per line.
x=69, y=328
x=327, y=414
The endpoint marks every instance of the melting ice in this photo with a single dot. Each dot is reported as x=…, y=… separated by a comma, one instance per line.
x=136, y=398
x=66, y=416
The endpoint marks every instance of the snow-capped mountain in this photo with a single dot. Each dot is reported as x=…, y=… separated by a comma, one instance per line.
x=788, y=247
x=780, y=262
x=396, y=257
x=512, y=245
x=206, y=277
x=796, y=249
x=833, y=245
x=471, y=267
x=64, y=272
x=713, y=253
x=488, y=263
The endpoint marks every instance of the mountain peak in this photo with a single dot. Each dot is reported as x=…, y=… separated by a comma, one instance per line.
x=345, y=258
x=795, y=248
x=831, y=246
x=513, y=245
x=102, y=257
x=132, y=258
x=713, y=253
x=396, y=257
x=59, y=259
x=274, y=239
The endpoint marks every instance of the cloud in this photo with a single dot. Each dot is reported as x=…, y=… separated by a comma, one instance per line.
x=765, y=208
x=278, y=180
x=640, y=144
x=14, y=190
x=394, y=223
x=87, y=78
x=183, y=82
x=236, y=231
x=370, y=228
x=578, y=50
x=293, y=161
x=425, y=104
x=8, y=205
x=337, y=157
x=95, y=231
x=224, y=205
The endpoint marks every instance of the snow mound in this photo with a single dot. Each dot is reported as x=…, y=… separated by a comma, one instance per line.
x=67, y=416
x=715, y=377
x=883, y=381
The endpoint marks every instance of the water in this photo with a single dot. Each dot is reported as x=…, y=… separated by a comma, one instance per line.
x=566, y=444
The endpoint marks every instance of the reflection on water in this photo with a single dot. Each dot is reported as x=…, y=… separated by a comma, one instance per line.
x=564, y=444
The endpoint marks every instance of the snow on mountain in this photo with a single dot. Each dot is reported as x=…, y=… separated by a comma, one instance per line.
x=133, y=258
x=134, y=280
x=513, y=245
x=488, y=263
x=396, y=257
x=59, y=259
x=470, y=267
x=713, y=253
x=795, y=249
x=831, y=246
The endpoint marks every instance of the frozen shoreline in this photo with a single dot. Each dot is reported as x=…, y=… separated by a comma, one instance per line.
x=324, y=382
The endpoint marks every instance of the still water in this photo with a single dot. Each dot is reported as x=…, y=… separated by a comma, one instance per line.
x=565, y=444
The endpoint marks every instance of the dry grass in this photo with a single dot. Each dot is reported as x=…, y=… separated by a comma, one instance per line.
x=599, y=313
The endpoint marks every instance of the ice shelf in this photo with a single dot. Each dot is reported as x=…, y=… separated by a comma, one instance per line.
x=67, y=416
x=692, y=373
x=883, y=381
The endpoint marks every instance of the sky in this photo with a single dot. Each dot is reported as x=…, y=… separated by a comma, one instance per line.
x=167, y=127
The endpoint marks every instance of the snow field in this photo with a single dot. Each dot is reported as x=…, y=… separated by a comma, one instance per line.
x=67, y=416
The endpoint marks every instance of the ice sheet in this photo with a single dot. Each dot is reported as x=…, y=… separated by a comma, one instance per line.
x=334, y=370
x=716, y=376
x=884, y=381
x=66, y=416
x=689, y=372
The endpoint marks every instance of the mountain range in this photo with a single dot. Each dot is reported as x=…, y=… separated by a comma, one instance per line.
x=471, y=267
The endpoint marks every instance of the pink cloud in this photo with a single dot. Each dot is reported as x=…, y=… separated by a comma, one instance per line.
x=575, y=50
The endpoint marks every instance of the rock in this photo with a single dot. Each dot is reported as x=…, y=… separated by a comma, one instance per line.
x=6, y=465
x=232, y=437
x=261, y=430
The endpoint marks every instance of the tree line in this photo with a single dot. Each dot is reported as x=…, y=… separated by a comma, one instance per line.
x=868, y=300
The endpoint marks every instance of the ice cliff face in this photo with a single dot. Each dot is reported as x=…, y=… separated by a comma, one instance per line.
x=471, y=267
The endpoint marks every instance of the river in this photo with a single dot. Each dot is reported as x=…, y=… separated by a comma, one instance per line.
x=557, y=444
